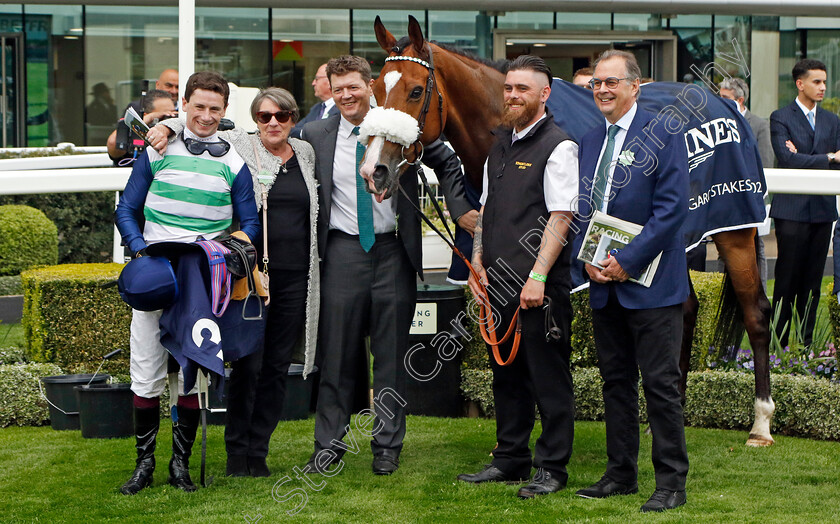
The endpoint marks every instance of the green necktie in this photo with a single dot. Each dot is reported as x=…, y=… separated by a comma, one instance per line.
x=603, y=171
x=364, y=204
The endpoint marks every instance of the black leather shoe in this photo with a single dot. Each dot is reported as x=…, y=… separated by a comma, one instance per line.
x=490, y=473
x=257, y=467
x=543, y=483
x=663, y=499
x=606, y=487
x=386, y=462
x=237, y=466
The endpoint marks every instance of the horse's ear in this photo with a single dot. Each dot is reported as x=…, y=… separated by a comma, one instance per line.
x=415, y=34
x=383, y=36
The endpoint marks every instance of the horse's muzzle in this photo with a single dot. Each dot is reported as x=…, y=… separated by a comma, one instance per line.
x=381, y=182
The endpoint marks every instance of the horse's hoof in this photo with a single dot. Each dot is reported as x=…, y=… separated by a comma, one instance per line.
x=756, y=441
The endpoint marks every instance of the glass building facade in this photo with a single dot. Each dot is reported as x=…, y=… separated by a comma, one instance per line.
x=70, y=70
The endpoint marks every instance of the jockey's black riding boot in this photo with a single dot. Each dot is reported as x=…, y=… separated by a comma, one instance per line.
x=146, y=425
x=183, y=436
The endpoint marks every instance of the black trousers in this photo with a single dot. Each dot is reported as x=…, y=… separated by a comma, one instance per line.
x=803, y=247
x=363, y=294
x=648, y=340
x=258, y=381
x=539, y=376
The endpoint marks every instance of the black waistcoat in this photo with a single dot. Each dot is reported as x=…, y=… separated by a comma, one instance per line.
x=515, y=212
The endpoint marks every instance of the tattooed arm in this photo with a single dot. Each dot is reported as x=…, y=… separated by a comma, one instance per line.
x=478, y=252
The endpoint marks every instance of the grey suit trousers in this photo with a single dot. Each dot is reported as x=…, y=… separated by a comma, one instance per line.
x=363, y=294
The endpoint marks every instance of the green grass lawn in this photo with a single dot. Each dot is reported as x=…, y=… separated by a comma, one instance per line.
x=51, y=476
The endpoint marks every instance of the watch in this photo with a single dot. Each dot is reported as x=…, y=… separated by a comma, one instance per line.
x=830, y=157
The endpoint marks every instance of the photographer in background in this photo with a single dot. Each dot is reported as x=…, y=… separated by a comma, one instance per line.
x=157, y=106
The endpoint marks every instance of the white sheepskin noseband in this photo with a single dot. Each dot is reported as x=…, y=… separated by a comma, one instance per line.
x=392, y=124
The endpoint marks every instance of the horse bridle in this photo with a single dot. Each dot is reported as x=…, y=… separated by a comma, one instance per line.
x=431, y=84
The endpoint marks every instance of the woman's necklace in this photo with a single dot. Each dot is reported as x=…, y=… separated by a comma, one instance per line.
x=283, y=162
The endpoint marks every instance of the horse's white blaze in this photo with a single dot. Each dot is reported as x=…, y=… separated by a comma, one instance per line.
x=374, y=149
x=391, y=80
x=763, y=415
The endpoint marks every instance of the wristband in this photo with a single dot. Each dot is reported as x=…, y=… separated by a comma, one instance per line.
x=536, y=276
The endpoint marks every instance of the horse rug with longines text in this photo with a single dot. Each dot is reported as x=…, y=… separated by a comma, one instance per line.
x=727, y=185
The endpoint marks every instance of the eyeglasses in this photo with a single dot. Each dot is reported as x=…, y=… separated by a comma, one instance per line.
x=264, y=117
x=611, y=82
x=215, y=149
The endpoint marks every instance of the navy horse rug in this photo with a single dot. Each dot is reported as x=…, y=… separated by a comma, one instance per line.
x=726, y=176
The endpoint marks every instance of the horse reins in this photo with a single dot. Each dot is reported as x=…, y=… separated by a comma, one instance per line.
x=486, y=314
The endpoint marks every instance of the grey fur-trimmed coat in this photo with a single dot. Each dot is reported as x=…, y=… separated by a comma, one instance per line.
x=250, y=147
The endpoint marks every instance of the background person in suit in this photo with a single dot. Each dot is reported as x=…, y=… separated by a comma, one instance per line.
x=737, y=89
x=804, y=136
x=323, y=109
x=637, y=328
x=371, y=252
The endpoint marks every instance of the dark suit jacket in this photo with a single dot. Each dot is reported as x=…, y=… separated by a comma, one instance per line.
x=761, y=129
x=658, y=201
x=322, y=134
x=790, y=123
x=312, y=116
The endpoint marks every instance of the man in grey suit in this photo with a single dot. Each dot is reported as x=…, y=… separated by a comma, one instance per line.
x=371, y=252
x=737, y=89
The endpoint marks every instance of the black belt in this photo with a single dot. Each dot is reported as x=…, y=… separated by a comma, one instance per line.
x=380, y=237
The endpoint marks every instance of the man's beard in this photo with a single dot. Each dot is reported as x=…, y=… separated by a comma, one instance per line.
x=520, y=118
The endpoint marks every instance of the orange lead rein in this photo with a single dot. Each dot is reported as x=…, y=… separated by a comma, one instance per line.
x=486, y=319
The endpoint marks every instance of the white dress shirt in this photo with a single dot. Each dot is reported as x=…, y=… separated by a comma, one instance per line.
x=329, y=103
x=623, y=126
x=560, y=179
x=343, y=210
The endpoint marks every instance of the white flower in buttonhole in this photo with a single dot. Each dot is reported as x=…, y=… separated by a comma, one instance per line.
x=392, y=124
x=626, y=157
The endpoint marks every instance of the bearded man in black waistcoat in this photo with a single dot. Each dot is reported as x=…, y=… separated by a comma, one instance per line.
x=530, y=183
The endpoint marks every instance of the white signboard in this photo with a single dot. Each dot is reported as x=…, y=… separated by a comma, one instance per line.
x=425, y=319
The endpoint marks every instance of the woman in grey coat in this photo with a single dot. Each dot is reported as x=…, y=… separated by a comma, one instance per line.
x=283, y=169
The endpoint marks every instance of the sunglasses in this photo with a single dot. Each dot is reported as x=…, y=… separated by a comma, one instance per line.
x=264, y=117
x=215, y=149
x=611, y=82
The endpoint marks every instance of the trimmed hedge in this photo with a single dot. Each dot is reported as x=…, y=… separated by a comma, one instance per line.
x=707, y=287
x=21, y=403
x=833, y=312
x=85, y=222
x=71, y=320
x=583, y=337
x=27, y=238
x=805, y=407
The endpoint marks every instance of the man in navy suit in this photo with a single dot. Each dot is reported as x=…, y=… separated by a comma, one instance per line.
x=641, y=177
x=323, y=109
x=804, y=136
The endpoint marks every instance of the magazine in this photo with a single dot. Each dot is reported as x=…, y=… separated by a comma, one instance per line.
x=136, y=124
x=606, y=236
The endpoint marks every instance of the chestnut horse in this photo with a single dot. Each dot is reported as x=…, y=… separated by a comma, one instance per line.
x=446, y=91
